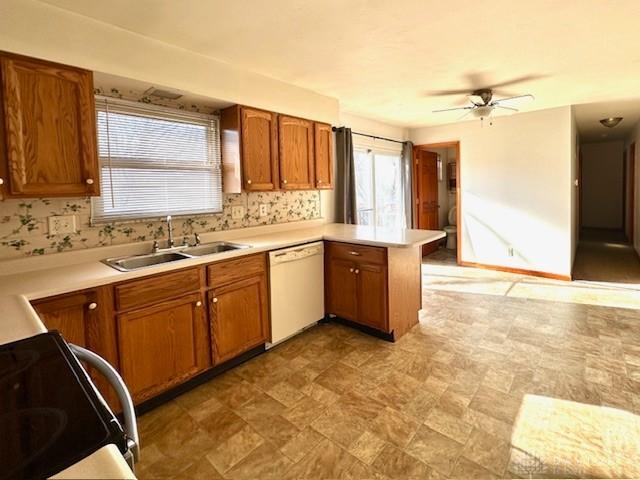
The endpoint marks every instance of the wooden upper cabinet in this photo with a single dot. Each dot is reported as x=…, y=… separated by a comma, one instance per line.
x=323, y=155
x=296, y=153
x=250, y=141
x=48, y=139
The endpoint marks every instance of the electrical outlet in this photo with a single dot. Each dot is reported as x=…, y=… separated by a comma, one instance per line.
x=264, y=209
x=237, y=212
x=510, y=251
x=59, y=224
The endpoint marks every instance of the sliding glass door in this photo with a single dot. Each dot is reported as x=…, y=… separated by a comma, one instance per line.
x=379, y=194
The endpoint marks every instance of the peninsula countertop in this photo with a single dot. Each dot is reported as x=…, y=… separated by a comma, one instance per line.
x=22, y=281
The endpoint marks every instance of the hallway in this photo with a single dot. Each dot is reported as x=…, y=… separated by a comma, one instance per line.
x=606, y=257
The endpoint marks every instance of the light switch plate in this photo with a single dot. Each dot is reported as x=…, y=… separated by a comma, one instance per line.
x=59, y=224
x=237, y=212
x=264, y=209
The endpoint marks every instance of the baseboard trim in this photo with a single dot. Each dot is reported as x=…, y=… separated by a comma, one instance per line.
x=521, y=271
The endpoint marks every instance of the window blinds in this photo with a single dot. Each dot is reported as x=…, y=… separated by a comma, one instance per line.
x=155, y=161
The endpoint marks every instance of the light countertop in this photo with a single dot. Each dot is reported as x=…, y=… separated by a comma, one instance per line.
x=21, y=281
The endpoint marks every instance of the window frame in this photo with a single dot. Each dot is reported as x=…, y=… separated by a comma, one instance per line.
x=211, y=121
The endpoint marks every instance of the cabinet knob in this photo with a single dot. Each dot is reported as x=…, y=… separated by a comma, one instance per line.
x=354, y=253
x=198, y=303
x=319, y=182
x=284, y=181
x=1, y=181
x=92, y=306
x=215, y=300
x=89, y=181
x=351, y=270
x=357, y=271
x=248, y=182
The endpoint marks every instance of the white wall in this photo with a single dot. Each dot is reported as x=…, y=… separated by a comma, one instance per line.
x=602, y=184
x=516, y=178
x=635, y=138
x=44, y=31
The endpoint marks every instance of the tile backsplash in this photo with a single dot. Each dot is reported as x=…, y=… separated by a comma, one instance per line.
x=24, y=232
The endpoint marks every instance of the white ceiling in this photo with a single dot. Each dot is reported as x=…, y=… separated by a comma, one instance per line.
x=588, y=118
x=379, y=57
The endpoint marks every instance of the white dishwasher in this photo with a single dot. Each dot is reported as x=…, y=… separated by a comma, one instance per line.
x=297, y=289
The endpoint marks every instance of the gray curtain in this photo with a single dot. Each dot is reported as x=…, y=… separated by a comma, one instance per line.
x=345, y=178
x=406, y=159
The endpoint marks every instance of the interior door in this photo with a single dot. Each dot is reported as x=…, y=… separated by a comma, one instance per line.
x=630, y=197
x=426, y=174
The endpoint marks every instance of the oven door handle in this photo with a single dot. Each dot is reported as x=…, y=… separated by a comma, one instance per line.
x=116, y=381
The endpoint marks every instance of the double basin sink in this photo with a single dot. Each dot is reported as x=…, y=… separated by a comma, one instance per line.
x=136, y=262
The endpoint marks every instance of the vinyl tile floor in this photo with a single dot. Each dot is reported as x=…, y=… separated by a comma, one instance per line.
x=485, y=386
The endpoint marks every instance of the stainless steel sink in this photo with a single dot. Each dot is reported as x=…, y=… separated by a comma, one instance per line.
x=136, y=262
x=211, y=248
x=126, y=264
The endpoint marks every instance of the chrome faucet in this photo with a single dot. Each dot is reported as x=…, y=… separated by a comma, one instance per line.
x=170, y=229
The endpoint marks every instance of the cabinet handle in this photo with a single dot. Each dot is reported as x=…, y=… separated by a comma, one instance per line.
x=357, y=271
x=92, y=306
x=89, y=181
x=214, y=299
x=248, y=182
x=198, y=303
x=357, y=254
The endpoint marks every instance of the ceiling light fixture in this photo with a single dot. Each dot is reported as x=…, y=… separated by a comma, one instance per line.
x=611, y=121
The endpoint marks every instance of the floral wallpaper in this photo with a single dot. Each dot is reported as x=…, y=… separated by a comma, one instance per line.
x=24, y=222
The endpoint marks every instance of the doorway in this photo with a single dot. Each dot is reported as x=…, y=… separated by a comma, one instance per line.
x=629, y=193
x=435, y=190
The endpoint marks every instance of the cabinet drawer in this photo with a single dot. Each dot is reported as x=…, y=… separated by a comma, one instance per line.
x=357, y=253
x=155, y=289
x=226, y=271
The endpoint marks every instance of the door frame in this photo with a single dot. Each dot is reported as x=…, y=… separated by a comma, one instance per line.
x=414, y=213
x=630, y=203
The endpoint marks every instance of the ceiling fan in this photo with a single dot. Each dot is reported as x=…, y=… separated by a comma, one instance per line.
x=481, y=102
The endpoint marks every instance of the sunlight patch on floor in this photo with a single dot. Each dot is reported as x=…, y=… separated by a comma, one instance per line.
x=559, y=438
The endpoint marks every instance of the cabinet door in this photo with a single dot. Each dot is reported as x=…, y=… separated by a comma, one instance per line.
x=341, y=291
x=49, y=128
x=163, y=345
x=296, y=153
x=85, y=319
x=372, y=295
x=239, y=317
x=323, y=155
x=259, y=149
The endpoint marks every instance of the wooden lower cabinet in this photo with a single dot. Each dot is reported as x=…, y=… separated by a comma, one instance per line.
x=342, y=290
x=374, y=286
x=86, y=319
x=239, y=315
x=372, y=295
x=162, y=345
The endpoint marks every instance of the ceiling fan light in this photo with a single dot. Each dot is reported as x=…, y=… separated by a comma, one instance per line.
x=484, y=111
x=611, y=121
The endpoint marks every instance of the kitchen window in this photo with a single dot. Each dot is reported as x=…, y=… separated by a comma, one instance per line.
x=155, y=161
x=379, y=197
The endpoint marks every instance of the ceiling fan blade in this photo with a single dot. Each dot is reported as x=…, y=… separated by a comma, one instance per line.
x=452, y=109
x=464, y=115
x=496, y=105
x=517, y=97
x=513, y=81
x=444, y=93
x=476, y=99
